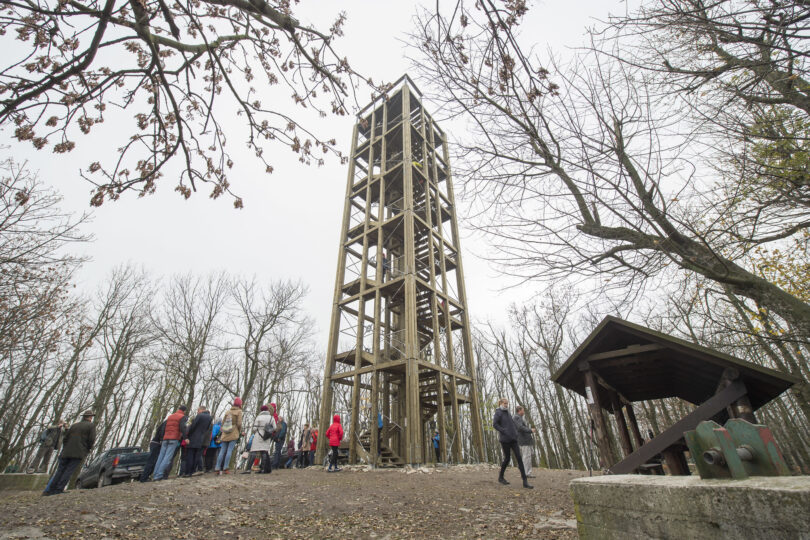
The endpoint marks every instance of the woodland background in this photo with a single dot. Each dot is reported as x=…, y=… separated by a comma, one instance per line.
x=660, y=174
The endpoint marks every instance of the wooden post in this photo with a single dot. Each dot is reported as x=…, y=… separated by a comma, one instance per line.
x=741, y=408
x=676, y=461
x=631, y=415
x=621, y=426
x=606, y=457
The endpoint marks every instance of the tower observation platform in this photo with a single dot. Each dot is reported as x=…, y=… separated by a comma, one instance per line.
x=400, y=349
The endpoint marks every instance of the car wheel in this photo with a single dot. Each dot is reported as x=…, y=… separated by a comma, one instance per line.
x=103, y=480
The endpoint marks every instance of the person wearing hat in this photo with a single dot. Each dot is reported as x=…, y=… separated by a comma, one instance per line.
x=79, y=440
x=231, y=430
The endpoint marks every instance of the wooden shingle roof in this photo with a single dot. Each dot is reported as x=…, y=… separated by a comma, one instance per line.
x=640, y=364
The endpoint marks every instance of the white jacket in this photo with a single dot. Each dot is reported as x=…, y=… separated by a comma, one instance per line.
x=260, y=444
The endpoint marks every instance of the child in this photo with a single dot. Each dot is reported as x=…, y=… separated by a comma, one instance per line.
x=334, y=435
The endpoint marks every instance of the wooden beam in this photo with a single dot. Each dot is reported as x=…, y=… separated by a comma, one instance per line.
x=631, y=415
x=621, y=425
x=627, y=351
x=606, y=458
x=664, y=440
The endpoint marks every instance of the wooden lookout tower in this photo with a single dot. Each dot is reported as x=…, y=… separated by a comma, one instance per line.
x=400, y=334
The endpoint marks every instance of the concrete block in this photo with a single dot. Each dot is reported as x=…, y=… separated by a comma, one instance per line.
x=640, y=506
x=23, y=482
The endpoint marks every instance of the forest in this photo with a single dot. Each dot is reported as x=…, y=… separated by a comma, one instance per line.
x=659, y=174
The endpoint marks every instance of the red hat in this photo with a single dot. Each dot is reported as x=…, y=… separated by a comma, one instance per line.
x=237, y=402
x=265, y=408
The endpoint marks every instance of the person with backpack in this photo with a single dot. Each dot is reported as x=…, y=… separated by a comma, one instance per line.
x=174, y=433
x=49, y=441
x=231, y=430
x=334, y=435
x=210, y=455
x=264, y=432
x=154, y=452
x=281, y=436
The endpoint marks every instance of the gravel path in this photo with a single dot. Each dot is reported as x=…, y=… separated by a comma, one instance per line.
x=455, y=502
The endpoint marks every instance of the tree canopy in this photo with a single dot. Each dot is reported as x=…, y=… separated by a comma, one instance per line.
x=178, y=69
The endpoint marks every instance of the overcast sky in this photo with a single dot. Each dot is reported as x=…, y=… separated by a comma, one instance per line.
x=290, y=226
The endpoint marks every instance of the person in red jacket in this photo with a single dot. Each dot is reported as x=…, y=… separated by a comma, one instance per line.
x=334, y=434
x=175, y=431
x=313, y=446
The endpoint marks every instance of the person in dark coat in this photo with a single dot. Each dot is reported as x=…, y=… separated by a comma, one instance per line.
x=196, y=439
x=508, y=437
x=154, y=452
x=79, y=440
x=290, y=454
x=281, y=436
x=48, y=443
x=200, y=466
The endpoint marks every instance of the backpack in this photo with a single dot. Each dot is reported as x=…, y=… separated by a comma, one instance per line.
x=227, y=424
x=268, y=430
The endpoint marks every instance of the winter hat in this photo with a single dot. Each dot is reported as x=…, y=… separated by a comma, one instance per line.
x=265, y=408
x=275, y=412
x=237, y=402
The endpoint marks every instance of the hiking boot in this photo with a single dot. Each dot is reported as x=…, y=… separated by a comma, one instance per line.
x=503, y=481
x=527, y=485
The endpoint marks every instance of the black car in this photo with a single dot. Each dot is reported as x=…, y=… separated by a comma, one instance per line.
x=113, y=466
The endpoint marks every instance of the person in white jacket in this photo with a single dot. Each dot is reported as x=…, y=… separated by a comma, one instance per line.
x=263, y=428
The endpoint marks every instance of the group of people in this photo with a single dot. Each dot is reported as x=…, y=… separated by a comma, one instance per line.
x=516, y=437
x=204, y=444
x=208, y=444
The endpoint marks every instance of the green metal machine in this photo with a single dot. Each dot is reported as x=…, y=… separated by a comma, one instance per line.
x=737, y=450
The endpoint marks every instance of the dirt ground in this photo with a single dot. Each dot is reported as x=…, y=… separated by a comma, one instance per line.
x=455, y=502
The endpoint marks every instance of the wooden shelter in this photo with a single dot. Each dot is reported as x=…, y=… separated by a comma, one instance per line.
x=621, y=363
x=400, y=332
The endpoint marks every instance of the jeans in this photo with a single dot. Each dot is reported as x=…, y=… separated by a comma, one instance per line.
x=333, y=457
x=62, y=475
x=311, y=458
x=438, y=454
x=164, y=461
x=154, y=452
x=508, y=448
x=277, y=455
x=224, y=458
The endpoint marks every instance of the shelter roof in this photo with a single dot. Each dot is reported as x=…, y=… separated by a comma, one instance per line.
x=640, y=364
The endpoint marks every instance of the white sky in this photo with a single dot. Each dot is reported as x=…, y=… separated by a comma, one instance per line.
x=290, y=226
